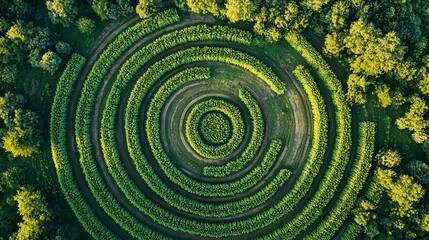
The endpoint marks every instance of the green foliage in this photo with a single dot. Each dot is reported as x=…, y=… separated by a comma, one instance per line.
x=425, y=222
x=357, y=85
x=352, y=231
x=380, y=56
x=18, y=31
x=389, y=158
x=315, y=5
x=101, y=7
x=145, y=8
x=414, y=120
x=341, y=148
x=420, y=171
x=337, y=17
x=85, y=25
x=21, y=142
x=215, y=128
x=204, y=6
x=240, y=10
x=333, y=44
x=63, y=48
x=401, y=189
x=383, y=95
x=150, y=77
x=9, y=74
x=99, y=69
x=62, y=11
x=22, y=9
x=8, y=104
x=35, y=214
x=50, y=62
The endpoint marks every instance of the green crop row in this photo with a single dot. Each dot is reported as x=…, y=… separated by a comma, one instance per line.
x=215, y=128
x=314, y=207
x=254, y=142
x=352, y=232
x=340, y=154
x=85, y=105
x=58, y=129
x=355, y=181
x=193, y=122
x=175, y=38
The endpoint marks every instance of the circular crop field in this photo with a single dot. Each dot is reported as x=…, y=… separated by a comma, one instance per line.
x=179, y=127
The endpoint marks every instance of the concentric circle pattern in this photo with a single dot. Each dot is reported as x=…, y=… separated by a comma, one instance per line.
x=180, y=128
x=214, y=128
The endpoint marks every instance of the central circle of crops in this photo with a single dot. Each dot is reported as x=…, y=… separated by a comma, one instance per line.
x=184, y=130
x=214, y=128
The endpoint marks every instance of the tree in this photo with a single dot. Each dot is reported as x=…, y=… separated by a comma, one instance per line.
x=424, y=83
x=357, y=86
x=50, y=62
x=9, y=73
x=4, y=25
x=62, y=11
x=204, y=6
x=389, y=158
x=425, y=222
x=145, y=8
x=22, y=9
x=404, y=191
x=359, y=35
x=385, y=177
x=101, y=7
x=26, y=119
x=13, y=177
x=380, y=56
x=35, y=214
x=414, y=121
x=85, y=25
x=420, y=171
x=240, y=10
x=315, y=5
x=63, y=48
x=10, y=52
x=383, y=95
x=334, y=44
x=18, y=31
x=21, y=142
x=34, y=57
x=41, y=38
x=8, y=104
x=338, y=15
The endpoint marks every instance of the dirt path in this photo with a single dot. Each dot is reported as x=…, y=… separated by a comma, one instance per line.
x=73, y=154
